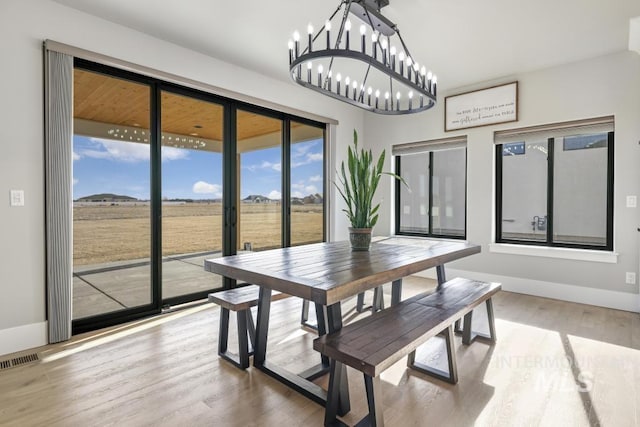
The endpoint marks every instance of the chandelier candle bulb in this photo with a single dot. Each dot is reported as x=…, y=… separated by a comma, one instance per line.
x=409, y=67
x=386, y=100
x=434, y=82
x=296, y=39
x=392, y=51
x=377, y=98
x=401, y=61
x=369, y=91
x=290, y=44
x=410, y=100
x=347, y=29
x=320, y=69
x=355, y=89
x=309, y=67
x=338, y=78
x=329, y=81
x=374, y=44
x=327, y=27
x=384, y=45
x=423, y=73
x=363, y=37
x=398, y=101
x=310, y=36
x=429, y=77
x=347, y=82
x=421, y=101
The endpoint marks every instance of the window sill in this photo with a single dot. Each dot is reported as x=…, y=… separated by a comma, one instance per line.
x=550, y=252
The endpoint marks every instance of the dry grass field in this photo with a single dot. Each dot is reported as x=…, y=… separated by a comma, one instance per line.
x=104, y=234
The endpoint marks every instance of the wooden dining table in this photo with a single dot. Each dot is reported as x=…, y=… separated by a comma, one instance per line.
x=326, y=274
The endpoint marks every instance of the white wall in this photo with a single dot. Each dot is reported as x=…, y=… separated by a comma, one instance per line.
x=608, y=85
x=25, y=24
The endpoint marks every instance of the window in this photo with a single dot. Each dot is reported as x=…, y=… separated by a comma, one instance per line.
x=555, y=185
x=433, y=203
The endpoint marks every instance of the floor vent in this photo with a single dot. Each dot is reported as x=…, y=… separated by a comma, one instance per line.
x=17, y=361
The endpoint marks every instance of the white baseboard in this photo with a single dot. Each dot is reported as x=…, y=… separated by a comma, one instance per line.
x=583, y=295
x=23, y=337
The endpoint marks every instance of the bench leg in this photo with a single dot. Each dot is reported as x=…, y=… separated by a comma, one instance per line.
x=251, y=330
x=223, y=332
x=457, y=328
x=376, y=305
x=360, y=303
x=396, y=291
x=442, y=277
x=374, y=401
x=378, y=300
x=469, y=336
x=304, y=320
x=452, y=375
x=243, y=342
x=241, y=360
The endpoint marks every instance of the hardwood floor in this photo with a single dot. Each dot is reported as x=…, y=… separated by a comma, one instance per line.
x=555, y=364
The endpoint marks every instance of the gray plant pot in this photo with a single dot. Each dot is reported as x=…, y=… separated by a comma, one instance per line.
x=360, y=238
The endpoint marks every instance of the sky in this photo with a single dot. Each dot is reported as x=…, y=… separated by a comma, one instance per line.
x=123, y=168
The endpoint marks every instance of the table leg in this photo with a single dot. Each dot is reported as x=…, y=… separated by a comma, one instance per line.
x=322, y=329
x=334, y=323
x=262, y=326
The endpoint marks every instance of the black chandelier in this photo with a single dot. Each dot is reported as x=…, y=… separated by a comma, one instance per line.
x=377, y=73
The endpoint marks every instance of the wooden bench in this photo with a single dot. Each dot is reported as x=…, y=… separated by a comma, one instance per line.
x=373, y=344
x=240, y=300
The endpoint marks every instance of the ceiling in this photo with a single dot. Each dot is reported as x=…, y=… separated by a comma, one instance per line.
x=111, y=108
x=463, y=41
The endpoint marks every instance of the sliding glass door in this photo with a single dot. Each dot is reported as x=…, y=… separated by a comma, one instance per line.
x=307, y=184
x=192, y=134
x=111, y=195
x=259, y=163
x=165, y=177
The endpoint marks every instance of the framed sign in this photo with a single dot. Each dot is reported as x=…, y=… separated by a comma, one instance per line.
x=498, y=104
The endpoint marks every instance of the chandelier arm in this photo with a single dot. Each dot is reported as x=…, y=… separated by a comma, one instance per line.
x=364, y=83
x=406, y=49
x=330, y=18
x=345, y=15
x=306, y=50
x=326, y=78
x=344, y=20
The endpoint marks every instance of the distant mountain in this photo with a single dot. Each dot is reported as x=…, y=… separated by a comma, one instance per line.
x=106, y=197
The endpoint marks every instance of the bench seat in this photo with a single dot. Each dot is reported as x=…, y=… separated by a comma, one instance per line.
x=373, y=344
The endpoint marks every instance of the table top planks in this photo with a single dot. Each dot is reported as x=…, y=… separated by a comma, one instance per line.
x=329, y=272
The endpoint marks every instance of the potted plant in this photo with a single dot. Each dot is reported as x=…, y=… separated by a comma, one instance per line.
x=357, y=188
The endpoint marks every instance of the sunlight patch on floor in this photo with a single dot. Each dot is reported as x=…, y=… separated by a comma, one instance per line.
x=95, y=340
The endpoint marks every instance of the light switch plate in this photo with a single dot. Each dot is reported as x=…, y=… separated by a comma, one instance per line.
x=630, y=278
x=632, y=201
x=17, y=198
